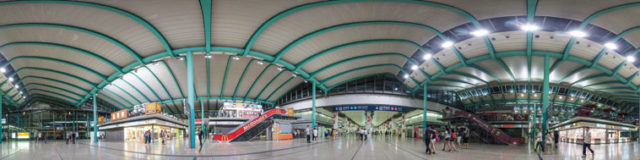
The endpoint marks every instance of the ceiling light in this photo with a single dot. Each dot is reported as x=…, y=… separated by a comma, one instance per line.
x=578, y=33
x=414, y=67
x=181, y=58
x=260, y=62
x=446, y=44
x=17, y=86
x=294, y=75
x=426, y=56
x=280, y=69
x=631, y=59
x=480, y=32
x=529, y=27
x=611, y=45
x=235, y=58
x=3, y=70
x=10, y=79
x=406, y=76
x=305, y=81
x=208, y=56
x=521, y=95
x=21, y=92
x=535, y=95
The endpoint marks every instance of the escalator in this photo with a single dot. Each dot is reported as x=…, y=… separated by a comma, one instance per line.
x=251, y=128
x=494, y=132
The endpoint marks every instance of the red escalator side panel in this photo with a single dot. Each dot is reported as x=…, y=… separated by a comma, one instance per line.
x=249, y=125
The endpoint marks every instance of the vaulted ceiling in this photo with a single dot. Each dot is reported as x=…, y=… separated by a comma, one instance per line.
x=131, y=52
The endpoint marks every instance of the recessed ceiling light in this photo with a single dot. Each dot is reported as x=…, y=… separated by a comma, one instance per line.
x=426, y=56
x=406, y=76
x=414, y=67
x=611, y=45
x=480, y=32
x=260, y=63
x=181, y=58
x=3, y=70
x=17, y=86
x=578, y=33
x=446, y=44
x=529, y=27
x=208, y=56
x=235, y=58
x=294, y=75
x=280, y=69
x=10, y=79
x=631, y=59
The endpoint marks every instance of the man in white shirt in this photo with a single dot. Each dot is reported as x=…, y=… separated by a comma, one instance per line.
x=308, y=132
x=587, y=143
x=315, y=134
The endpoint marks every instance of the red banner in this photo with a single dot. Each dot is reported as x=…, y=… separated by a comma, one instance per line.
x=249, y=125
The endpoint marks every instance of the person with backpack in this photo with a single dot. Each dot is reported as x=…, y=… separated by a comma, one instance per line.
x=452, y=140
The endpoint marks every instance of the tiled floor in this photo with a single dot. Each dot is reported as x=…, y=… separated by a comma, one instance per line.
x=379, y=147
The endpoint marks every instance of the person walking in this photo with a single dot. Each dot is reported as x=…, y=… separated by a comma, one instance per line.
x=308, y=133
x=587, y=143
x=447, y=136
x=162, y=136
x=428, y=135
x=452, y=144
x=538, y=146
x=201, y=136
x=549, y=142
x=315, y=134
x=465, y=138
x=459, y=135
x=556, y=138
x=38, y=137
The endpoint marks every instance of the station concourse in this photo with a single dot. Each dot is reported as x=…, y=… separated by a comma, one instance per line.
x=316, y=79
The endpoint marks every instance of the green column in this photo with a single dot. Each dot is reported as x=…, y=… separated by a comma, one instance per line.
x=95, y=120
x=424, y=110
x=638, y=123
x=545, y=98
x=191, y=99
x=313, y=105
x=202, y=116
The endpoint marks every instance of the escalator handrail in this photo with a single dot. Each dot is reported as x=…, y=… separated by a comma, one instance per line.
x=248, y=125
x=493, y=131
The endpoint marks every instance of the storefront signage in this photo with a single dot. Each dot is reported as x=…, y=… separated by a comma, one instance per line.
x=23, y=135
x=370, y=108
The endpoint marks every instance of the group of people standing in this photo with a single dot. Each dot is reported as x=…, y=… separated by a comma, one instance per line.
x=451, y=136
x=362, y=134
x=41, y=138
x=311, y=134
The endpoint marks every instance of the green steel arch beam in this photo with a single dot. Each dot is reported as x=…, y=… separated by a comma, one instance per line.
x=50, y=71
x=61, y=102
x=242, y=77
x=137, y=90
x=290, y=11
x=269, y=84
x=127, y=14
x=161, y=84
x=79, y=29
x=173, y=77
x=257, y=78
x=367, y=67
x=53, y=80
x=54, y=87
x=205, y=6
x=218, y=98
x=602, y=83
x=117, y=95
x=313, y=74
x=224, y=79
x=122, y=106
x=124, y=91
x=350, y=44
x=352, y=24
x=147, y=85
x=281, y=85
x=85, y=52
x=586, y=22
x=52, y=92
x=58, y=61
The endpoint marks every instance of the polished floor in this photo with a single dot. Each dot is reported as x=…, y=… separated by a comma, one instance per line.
x=378, y=147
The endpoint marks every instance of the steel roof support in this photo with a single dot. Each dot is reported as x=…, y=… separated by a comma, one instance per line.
x=545, y=98
x=244, y=72
x=95, y=120
x=191, y=100
x=313, y=104
x=224, y=79
x=208, y=70
x=424, y=108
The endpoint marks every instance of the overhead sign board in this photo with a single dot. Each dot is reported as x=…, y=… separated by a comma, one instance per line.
x=370, y=108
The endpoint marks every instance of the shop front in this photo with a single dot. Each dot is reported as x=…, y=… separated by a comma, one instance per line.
x=133, y=129
x=602, y=131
